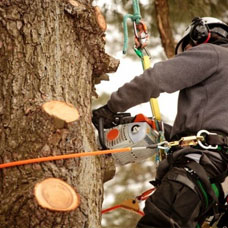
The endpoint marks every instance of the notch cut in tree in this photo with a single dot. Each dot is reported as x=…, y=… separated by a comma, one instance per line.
x=55, y=194
x=61, y=110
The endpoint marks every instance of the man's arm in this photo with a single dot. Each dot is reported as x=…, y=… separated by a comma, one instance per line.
x=184, y=70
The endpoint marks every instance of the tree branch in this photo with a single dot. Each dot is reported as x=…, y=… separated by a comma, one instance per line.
x=94, y=38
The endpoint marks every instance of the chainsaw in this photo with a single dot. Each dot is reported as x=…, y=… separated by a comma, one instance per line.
x=138, y=131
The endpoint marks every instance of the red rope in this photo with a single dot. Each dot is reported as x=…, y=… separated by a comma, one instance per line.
x=143, y=196
x=121, y=206
x=208, y=38
x=110, y=209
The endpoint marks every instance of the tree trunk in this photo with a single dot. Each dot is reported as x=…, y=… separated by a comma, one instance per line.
x=49, y=50
x=165, y=30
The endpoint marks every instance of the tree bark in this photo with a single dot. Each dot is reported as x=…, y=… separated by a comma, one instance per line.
x=49, y=50
x=164, y=27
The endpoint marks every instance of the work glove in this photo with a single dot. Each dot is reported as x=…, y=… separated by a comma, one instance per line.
x=107, y=115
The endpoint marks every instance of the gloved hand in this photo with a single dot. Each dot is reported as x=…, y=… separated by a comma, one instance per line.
x=105, y=113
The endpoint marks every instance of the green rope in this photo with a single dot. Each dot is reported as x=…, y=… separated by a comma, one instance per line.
x=204, y=192
x=215, y=189
x=135, y=18
x=213, y=186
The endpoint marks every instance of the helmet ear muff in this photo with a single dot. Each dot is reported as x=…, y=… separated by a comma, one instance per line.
x=200, y=32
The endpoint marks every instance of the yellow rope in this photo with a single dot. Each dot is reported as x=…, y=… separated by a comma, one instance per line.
x=153, y=101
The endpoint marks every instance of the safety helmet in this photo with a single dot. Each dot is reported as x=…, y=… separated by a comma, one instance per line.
x=199, y=31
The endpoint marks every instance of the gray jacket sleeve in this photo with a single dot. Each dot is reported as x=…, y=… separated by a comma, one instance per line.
x=185, y=70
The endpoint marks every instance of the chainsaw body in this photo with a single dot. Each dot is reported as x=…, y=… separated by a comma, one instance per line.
x=135, y=134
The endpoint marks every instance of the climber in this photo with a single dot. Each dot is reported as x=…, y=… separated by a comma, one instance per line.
x=188, y=180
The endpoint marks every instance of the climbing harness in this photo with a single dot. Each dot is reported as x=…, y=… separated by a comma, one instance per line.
x=211, y=193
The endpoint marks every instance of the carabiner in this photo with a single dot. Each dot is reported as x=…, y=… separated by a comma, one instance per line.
x=163, y=145
x=199, y=133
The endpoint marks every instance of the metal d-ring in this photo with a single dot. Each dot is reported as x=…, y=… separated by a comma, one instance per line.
x=199, y=133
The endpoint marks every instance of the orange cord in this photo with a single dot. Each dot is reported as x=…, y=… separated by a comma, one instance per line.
x=65, y=156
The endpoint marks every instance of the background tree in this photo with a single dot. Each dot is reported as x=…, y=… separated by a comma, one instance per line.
x=163, y=24
x=49, y=50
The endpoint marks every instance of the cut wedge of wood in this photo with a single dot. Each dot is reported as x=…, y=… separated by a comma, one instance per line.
x=61, y=110
x=74, y=3
x=100, y=19
x=55, y=194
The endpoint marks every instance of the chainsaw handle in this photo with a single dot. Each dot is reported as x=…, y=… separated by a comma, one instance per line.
x=120, y=118
x=101, y=133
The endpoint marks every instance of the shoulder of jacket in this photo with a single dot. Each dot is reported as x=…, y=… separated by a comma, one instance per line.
x=208, y=48
x=213, y=46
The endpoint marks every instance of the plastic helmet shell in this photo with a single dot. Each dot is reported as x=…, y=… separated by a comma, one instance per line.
x=209, y=21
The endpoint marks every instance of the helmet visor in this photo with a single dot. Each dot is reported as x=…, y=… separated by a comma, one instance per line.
x=220, y=31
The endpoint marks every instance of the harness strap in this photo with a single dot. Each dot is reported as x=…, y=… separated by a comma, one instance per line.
x=222, y=142
x=184, y=180
x=217, y=140
x=221, y=177
x=201, y=173
x=205, y=184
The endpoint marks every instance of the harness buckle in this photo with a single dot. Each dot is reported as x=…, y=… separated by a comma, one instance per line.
x=206, y=147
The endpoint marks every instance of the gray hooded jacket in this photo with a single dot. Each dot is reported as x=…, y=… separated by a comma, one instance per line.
x=201, y=75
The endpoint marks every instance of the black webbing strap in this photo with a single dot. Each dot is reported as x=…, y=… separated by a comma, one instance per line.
x=201, y=173
x=217, y=140
x=220, y=178
x=203, y=177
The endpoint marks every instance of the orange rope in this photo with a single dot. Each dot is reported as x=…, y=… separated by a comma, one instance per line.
x=65, y=156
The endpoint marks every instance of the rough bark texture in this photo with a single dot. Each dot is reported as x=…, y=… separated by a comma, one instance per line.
x=48, y=53
x=164, y=27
